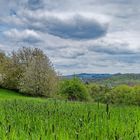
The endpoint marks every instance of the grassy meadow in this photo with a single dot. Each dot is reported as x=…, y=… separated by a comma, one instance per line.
x=28, y=118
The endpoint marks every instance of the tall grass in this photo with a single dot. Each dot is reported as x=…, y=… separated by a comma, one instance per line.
x=60, y=120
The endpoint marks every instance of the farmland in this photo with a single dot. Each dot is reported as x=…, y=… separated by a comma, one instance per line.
x=35, y=118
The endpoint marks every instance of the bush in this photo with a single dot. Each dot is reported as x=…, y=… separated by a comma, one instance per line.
x=74, y=89
x=122, y=94
x=98, y=92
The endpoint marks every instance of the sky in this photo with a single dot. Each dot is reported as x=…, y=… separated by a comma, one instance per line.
x=79, y=36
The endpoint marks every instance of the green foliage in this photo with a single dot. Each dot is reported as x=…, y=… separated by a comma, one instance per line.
x=11, y=75
x=122, y=94
x=74, y=89
x=125, y=94
x=98, y=92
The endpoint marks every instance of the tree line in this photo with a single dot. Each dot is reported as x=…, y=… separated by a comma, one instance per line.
x=121, y=94
x=29, y=71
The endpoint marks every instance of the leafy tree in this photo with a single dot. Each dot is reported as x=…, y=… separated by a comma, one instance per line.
x=98, y=92
x=2, y=63
x=7, y=72
x=39, y=78
x=122, y=94
x=74, y=89
x=28, y=70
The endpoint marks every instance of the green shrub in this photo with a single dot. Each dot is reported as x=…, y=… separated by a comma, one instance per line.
x=98, y=92
x=122, y=94
x=74, y=89
x=125, y=94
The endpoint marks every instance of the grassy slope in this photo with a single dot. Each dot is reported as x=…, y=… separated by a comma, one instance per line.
x=12, y=95
x=7, y=94
x=49, y=119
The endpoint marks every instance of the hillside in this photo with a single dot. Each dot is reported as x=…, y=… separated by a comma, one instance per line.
x=13, y=95
x=118, y=79
x=109, y=79
x=8, y=94
x=88, y=76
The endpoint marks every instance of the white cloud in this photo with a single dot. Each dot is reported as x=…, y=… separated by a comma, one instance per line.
x=23, y=35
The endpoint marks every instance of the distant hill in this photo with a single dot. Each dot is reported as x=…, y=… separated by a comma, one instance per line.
x=89, y=76
x=109, y=79
x=117, y=79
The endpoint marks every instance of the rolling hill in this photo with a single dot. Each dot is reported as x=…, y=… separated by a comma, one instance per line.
x=109, y=79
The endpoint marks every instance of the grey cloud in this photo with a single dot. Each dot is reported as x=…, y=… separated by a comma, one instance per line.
x=128, y=59
x=35, y=4
x=66, y=26
x=67, y=53
x=111, y=49
x=77, y=27
x=72, y=55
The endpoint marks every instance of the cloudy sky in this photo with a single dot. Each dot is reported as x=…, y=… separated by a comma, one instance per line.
x=90, y=36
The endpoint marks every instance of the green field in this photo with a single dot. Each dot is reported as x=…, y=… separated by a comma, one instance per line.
x=26, y=118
